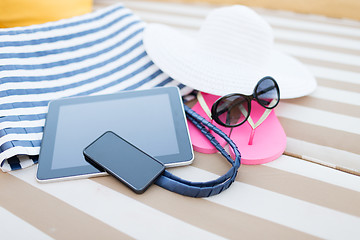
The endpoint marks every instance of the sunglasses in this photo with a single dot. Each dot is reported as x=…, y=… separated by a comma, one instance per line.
x=233, y=110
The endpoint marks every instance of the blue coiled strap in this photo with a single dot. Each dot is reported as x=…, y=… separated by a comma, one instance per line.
x=203, y=189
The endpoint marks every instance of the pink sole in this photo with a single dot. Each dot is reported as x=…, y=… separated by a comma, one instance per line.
x=269, y=140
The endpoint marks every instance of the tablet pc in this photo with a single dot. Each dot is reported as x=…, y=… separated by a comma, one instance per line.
x=153, y=120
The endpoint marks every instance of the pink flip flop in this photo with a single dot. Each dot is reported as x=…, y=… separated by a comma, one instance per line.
x=258, y=143
x=261, y=138
x=199, y=141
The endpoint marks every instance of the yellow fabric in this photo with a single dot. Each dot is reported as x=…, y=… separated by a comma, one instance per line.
x=16, y=13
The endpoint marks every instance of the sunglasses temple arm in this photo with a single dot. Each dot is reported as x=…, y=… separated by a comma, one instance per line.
x=242, y=109
x=266, y=90
x=234, y=104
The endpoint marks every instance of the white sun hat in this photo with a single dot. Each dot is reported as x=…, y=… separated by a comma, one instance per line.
x=233, y=50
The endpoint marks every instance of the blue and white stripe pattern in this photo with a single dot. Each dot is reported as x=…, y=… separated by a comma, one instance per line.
x=97, y=53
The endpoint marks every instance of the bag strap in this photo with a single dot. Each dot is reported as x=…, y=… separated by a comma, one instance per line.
x=204, y=189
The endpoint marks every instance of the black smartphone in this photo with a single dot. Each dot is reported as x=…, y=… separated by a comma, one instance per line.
x=124, y=161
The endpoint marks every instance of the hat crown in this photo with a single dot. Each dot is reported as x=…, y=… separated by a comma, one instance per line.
x=236, y=33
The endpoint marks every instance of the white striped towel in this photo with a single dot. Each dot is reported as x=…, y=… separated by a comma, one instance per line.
x=97, y=53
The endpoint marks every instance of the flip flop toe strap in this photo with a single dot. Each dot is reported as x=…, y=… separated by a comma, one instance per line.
x=258, y=123
x=203, y=105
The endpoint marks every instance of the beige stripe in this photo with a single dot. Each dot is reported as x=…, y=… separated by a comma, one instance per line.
x=314, y=31
x=178, y=24
x=321, y=135
x=202, y=16
x=293, y=185
x=323, y=163
x=328, y=64
x=264, y=12
x=351, y=87
x=206, y=215
x=308, y=18
x=318, y=46
x=334, y=8
x=196, y=11
x=326, y=105
x=50, y=215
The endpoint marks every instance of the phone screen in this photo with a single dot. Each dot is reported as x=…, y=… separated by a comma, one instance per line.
x=126, y=162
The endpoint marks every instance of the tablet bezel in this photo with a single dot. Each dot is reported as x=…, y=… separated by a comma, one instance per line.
x=45, y=173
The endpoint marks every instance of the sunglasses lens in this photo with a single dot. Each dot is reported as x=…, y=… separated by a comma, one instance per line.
x=232, y=110
x=267, y=93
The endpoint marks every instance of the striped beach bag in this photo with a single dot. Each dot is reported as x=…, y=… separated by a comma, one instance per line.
x=96, y=53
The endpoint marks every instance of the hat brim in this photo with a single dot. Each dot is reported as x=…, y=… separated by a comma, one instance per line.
x=177, y=55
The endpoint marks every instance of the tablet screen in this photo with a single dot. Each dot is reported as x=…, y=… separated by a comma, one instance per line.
x=132, y=118
x=153, y=120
